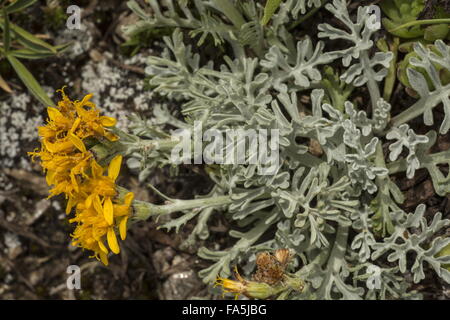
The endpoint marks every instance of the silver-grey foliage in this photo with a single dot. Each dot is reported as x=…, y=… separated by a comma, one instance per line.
x=337, y=207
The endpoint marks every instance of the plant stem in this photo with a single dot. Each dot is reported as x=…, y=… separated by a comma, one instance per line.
x=339, y=248
x=106, y=150
x=420, y=22
x=392, y=75
x=372, y=85
x=379, y=160
x=144, y=210
x=162, y=145
x=410, y=113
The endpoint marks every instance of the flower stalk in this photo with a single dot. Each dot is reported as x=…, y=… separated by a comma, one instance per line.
x=144, y=210
x=129, y=143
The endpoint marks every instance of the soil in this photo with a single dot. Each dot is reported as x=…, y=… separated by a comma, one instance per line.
x=35, y=248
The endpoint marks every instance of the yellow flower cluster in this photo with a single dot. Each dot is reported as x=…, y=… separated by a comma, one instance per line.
x=71, y=169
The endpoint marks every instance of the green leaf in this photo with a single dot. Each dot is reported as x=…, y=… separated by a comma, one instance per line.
x=63, y=47
x=30, y=41
x=28, y=79
x=34, y=55
x=405, y=33
x=400, y=12
x=436, y=32
x=269, y=10
x=6, y=33
x=19, y=5
x=30, y=54
x=445, y=252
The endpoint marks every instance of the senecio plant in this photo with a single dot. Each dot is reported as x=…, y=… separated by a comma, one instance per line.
x=328, y=222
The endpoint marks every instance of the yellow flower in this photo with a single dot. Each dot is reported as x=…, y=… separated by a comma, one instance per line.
x=122, y=212
x=64, y=171
x=102, y=188
x=72, y=121
x=90, y=122
x=93, y=229
x=98, y=216
x=71, y=169
x=90, y=231
x=231, y=286
x=251, y=289
x=63, y=153
x=54, y=133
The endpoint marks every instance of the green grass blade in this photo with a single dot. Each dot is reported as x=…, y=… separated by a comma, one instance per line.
x=29, y=81
x=19, y=5
x=6, y=32
x=30, y=54
x=34, y=54
x=31, y=41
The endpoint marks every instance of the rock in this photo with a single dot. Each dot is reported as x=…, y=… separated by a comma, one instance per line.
x=162, y=259
x=13, y=245
x=36, y=276
x=180, y=285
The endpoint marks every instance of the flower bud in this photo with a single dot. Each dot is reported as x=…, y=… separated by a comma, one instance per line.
x=251, y=289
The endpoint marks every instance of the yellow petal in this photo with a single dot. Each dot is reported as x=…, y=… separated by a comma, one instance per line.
x=53, y=113
x=74, y=182
x=129, y=198
x=114, y=167
x=97, y=169
x=107, y=121
x=58, y=146
x=98, y=205
x=45, y=132
x=98, y=129
x=102, y=246
x=75, y=125
x=70, y=203
x=88, y=201
x=85, y=99
x=62, y=91
x=111, y=136
x=123, y=228
x=112, y=241
x=108, y=211
x=77, y=142
x=104, y=258
x=50, y=177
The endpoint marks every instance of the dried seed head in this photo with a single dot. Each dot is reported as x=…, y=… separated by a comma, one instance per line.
x=271, y=267
x=283, y=256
